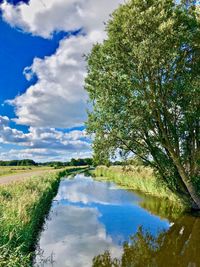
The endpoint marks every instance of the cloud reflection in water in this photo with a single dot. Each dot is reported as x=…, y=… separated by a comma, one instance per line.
x=89, y=217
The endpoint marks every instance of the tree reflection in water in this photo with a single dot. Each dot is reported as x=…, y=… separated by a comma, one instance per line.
x=179, y=246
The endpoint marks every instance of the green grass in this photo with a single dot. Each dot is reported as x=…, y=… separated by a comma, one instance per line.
x=136, y=178
x=23, y=207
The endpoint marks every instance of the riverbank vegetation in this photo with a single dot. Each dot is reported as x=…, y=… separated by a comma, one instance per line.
x=23, y=206
x=137, y=178
x=144, y=84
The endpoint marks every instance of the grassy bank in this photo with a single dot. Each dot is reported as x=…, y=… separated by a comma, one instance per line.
x=136, y=178
x=23, y=207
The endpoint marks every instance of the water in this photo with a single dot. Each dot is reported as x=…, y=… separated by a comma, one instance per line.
x=88, y=218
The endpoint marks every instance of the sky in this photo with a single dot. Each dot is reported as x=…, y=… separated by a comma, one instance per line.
x=42, y=98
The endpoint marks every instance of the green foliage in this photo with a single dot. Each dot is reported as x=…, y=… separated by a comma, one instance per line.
x=81, y=162
x=72, y=162
x=23, y=162
x=144, y=84
x=140, y=251
x=29, y=162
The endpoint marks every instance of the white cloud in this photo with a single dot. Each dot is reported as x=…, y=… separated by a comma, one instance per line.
x=87, y=191
x=43, y=17
x=43, y=143
x=58, y=98
x=4, y=120
x=79, y=231
x=43, y=137
x=9, y=135
x=42, y=154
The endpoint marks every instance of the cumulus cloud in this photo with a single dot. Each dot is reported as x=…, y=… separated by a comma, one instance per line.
x=58, y=98
x=4, y=120
x=43, y=143
x=9, y=135
x=43, y=137
x=87, y=192
x=44, y=17
x=75, y=234
x=42, y=154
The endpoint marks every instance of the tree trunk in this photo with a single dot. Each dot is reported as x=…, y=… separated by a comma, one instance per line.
x=176, y=159
x=190, y=187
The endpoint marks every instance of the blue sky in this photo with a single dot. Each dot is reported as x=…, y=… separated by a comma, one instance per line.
x=42, y=100
x=17, y=53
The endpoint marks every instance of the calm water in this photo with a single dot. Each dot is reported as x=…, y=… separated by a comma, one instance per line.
x=88, y=218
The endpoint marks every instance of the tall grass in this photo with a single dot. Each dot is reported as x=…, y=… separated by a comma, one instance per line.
x=23, y=207
x=136, y=178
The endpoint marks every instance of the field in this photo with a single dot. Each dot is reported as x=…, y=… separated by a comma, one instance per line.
x=9, y=170
x=23, y=206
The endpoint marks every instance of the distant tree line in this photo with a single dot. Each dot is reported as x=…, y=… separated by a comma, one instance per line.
x=23, y=162
x=72, y=162
x=29, y=162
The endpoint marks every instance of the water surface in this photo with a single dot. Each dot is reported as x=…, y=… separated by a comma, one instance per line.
x=88, y=217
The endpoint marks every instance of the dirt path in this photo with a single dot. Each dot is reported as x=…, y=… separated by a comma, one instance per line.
x=20, y=176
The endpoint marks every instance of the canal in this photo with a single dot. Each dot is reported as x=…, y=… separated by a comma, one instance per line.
x=94, y=223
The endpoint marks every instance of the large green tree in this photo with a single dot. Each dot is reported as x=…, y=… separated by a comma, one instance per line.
x=144, y=84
